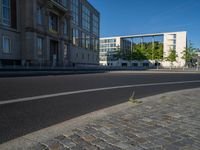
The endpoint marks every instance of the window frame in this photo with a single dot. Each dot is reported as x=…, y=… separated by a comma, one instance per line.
x=83, y=41
x=65, y=3
x=1, y=11
x=41, y=49
x=39, y=15
x=65, y=27
x=75, y=37
x=95, y=24
x=10, y=44
x=75, y=11
x=62, y=2
x=65, y=50
x=86, y=18
x=9, y=13
x=87, y=41
x=51, y=28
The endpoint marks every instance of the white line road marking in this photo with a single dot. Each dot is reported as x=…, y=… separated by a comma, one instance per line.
x=90, y=90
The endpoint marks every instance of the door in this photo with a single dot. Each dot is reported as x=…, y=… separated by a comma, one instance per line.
x=54, y=52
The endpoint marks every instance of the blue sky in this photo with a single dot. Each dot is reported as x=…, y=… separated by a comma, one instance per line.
x=127, y=17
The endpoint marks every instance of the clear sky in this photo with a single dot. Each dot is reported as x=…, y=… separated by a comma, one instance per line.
x=127, y=17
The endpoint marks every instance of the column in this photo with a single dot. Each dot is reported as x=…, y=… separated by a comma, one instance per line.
x=142, y=41
x=153, y=47
x=131, y=49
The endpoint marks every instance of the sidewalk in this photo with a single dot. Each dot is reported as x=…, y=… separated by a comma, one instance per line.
x=169, y=121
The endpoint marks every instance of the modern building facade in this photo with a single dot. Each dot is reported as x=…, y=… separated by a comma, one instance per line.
x=155, y=48
x=111, y=47
x=49, y=32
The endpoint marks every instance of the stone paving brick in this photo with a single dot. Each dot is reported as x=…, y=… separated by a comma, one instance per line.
x=39, y=147
x=54, y=145
x=170, y=147
x=102, y=144
x=101, y=135
x=79, y=141
x=65, y=141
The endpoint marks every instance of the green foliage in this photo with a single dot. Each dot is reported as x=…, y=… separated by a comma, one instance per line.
x=158, y=51
x=138, y=54
x=188, y=53
x=172, y=56
x=150, y=51
x=144, y=51
x=119, y=53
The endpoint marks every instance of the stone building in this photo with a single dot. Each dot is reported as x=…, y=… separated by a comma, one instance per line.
x=49, y=32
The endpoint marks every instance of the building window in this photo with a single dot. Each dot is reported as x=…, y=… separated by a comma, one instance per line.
x=65, y=27
x=95, y=25
x=39, y=15
x=75, y=34
x=6, y=45
x=92, y=43
x=6, y=12
x=62, y=2
x=145, y=64
x=39, y=46
x=83, y=39
x=85, y=18
x=174, y=41
x=53, y=22
x=75, y=11
x=65, y=51
x=96, y=44
x=172, y=47
x=0, y=11
x=87, y=42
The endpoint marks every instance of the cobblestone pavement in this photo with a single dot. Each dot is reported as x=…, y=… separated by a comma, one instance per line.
x=166, y=122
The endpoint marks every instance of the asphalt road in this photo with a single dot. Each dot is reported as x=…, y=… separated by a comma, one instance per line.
x=20, y=118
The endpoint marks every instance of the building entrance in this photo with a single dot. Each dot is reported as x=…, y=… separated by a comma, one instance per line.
x=54, y=52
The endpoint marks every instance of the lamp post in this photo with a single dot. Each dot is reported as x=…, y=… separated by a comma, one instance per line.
x=153, y=47
x=131, y=52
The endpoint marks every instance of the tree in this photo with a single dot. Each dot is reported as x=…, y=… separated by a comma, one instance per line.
x=158, y=51
x=188, y=53
x=147, y=51
x=138, y=52
x=143, y=51
x=119, y=53
x=171, y=57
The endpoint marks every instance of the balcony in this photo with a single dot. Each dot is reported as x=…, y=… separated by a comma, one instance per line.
x=58, y=4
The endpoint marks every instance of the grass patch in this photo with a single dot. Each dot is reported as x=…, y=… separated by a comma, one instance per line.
x=135, y=101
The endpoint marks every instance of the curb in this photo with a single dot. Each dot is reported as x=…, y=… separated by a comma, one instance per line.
x=49, y=73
